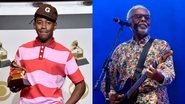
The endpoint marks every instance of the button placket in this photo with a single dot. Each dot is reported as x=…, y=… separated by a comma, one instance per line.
x=41, y=53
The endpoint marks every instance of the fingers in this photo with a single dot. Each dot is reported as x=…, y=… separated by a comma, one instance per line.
x=112, y=97
x=121, y=96
x=115, y=99
x=150, y=72
x=112, y=94
x=151, y=68
x=115, y=102
x=15, y=89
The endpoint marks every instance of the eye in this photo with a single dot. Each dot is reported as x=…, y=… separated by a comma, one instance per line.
x=49, y=22
x=147, y=17
x=38, y=22
x=139, y=16
x=4, y=91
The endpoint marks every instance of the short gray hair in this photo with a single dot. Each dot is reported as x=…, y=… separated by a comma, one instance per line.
x=134, y=8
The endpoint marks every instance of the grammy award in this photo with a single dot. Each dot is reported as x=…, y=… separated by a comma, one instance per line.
x=78, y=53
x=3, y=57
x=17, y=79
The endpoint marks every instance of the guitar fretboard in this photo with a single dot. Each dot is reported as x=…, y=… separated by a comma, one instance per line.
x=139, y=82
x=136, y=85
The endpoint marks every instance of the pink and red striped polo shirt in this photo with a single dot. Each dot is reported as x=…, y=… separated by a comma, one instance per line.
x=46, y=69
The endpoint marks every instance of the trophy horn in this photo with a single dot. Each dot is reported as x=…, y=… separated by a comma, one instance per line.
x=13, y=65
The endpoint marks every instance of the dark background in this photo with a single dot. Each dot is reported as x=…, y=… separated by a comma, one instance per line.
x=167, y=23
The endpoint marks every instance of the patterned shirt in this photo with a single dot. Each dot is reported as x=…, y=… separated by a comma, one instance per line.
x=46, y=69
x=124, y=62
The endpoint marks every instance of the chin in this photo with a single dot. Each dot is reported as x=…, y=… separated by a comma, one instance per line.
x=142, y=31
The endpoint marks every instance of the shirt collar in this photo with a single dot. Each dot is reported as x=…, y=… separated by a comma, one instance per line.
x=51, y=44
x=142, y=41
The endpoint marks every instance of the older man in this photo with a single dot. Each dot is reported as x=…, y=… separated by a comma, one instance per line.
x=126, y=56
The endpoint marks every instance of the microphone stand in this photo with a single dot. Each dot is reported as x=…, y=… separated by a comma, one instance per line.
x=106, y=68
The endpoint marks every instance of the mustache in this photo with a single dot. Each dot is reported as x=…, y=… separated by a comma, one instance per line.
x=142, y=23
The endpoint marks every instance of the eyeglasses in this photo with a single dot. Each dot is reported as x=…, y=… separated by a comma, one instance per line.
x=139, y=16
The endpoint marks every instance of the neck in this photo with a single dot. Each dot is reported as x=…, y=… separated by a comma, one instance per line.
x=45, y=41
x=138, y=37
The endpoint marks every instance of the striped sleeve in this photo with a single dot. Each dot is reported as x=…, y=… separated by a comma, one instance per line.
x=18, y=58
x=72, y=70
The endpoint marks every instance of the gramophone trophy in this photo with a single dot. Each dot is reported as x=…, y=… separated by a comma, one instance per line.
x=3, y=57
x=78, y=53
x=17, y=80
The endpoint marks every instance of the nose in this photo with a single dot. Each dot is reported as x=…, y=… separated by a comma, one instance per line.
x=143, y=18
x=44, y=25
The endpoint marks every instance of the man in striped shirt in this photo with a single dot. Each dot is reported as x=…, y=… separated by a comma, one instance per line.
x=47, y=64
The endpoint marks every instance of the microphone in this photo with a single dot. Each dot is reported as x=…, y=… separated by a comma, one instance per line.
x=121, y=22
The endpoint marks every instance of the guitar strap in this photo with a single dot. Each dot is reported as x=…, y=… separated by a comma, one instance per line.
x=139, y=68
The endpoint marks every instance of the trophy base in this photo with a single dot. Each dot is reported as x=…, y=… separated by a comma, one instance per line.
x=22, y=83
x=4, y=63
x=82, y=61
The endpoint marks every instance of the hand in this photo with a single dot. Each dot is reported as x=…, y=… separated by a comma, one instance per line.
x=115, y=98
x=15, y=89
x=151, y=72
x=154, y=74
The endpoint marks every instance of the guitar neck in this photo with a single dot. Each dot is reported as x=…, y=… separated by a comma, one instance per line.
x=136, y=85
x=139, y=82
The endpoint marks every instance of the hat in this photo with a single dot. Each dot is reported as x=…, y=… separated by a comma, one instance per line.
x=47, y=11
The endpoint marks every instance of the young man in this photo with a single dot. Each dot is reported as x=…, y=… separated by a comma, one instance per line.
x=47, y=63
x=125, y=59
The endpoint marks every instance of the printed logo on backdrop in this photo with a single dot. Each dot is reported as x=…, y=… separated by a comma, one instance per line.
x=78, y=53
x=72, y=87
x=4, y=91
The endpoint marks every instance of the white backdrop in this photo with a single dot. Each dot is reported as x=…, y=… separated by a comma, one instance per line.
x=12, y=39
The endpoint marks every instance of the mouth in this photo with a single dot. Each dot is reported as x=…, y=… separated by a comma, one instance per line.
x=43, y=32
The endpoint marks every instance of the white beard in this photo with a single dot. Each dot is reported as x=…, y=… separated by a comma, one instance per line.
x=142, y=31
